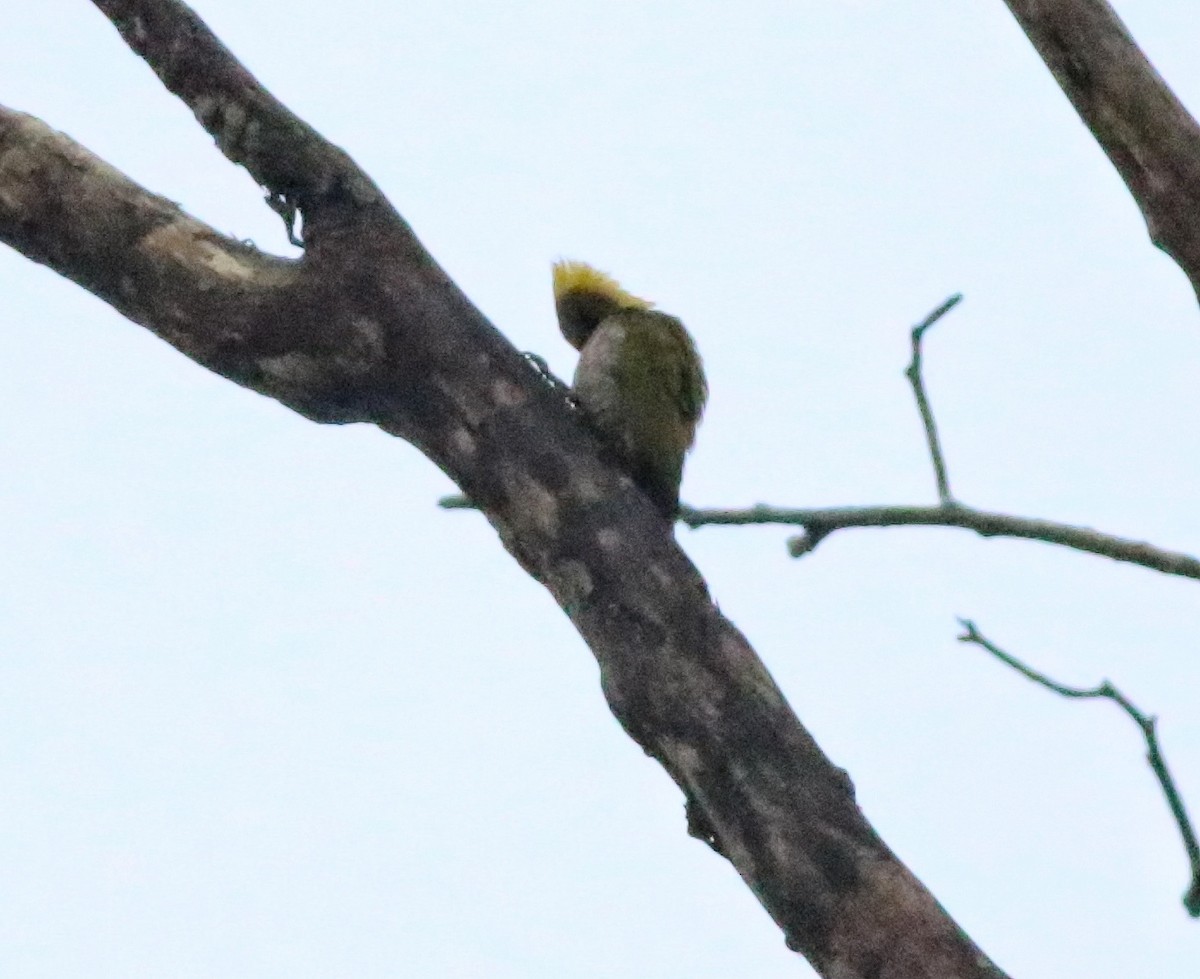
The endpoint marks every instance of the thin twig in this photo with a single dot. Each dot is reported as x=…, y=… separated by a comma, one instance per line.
x=917, y=380
x=819, y=523
x=1147, y=724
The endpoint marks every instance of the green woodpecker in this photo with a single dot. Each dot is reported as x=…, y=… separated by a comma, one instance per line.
x=639, y=379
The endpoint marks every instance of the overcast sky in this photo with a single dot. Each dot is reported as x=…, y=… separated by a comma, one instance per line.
x=266, y=712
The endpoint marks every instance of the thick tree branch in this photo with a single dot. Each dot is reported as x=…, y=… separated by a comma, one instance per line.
x=819, y=523
x=302, y=172
x=1149, y=728
x=1146, y=132
x=366, y=327
x=197, y=289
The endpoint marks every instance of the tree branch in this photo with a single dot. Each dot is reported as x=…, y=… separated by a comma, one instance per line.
x=819, y=523
x=1148, y=726
x=195, y=288
x=916, y=378
x=302, y=171
x=366, y=327
x=1146, y=132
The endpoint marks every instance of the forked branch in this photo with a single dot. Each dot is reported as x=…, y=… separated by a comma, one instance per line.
x=819, y=522
x=366, y=327
x=1149, y=728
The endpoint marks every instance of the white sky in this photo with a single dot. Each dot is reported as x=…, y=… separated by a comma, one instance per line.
x=266, y=712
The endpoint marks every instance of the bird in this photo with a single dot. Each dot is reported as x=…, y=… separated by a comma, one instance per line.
x=639, y=381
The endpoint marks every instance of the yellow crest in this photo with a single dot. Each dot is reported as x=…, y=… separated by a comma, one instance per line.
x=580, y=277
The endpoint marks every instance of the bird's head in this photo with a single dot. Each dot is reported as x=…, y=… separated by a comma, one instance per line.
x=584, y=297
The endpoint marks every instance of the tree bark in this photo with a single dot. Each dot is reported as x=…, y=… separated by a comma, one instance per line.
x=1144, y=129
x=366, y=327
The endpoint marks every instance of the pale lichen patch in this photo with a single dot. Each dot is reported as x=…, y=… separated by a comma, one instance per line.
x=293, y=369
x=589, y=490
x=506, y=394
x=608, y=539
x=233, y=125
x=203, y=107
x=537, y=506
x=191, y=245
x=462, y=444
x=571, y=583
x=685, y=760
x=467, y=407
x=664, y=576
x=368, y=334
x=137, y=29
x=750, y=668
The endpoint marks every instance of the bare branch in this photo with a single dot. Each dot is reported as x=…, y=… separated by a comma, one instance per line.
x=367, y=327
x=1148, y=726
x=819, y=523
x=1146, y=132
x=917, y=380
